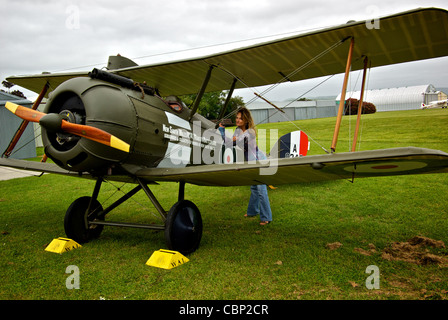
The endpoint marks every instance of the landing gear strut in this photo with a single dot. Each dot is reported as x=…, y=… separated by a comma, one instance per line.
x=85, y=219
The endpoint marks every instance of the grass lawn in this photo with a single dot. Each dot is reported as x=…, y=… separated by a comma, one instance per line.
x=287, y=260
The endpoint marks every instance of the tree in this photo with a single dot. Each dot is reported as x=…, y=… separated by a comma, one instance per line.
x=8, y=85
x=351, y=107
x=212, y=102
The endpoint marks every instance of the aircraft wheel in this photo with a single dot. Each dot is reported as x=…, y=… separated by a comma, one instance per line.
x=183, y=229
x=74, y=222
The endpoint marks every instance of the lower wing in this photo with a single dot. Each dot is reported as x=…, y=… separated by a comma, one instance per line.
x=398, y=161
x=386, y=162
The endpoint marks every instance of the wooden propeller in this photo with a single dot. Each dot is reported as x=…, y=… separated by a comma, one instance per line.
x=56, y=122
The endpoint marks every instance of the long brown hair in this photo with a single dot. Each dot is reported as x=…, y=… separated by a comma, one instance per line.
x=247, y=116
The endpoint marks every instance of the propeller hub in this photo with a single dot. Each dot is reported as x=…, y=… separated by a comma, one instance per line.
x=72, y=117
x=52, y=122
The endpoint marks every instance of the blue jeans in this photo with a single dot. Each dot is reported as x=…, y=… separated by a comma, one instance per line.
x=259, y=203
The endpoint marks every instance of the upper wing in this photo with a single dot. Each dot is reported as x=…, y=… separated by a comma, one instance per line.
x=413, y=35
x=37, y=82
x=398, y=161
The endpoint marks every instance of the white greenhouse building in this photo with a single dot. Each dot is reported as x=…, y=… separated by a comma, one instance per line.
x=262, y=112
x=395, y=99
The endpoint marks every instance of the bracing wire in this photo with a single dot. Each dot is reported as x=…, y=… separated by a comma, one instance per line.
x=18, y=148
x=293, y=123
x=282, y=80
x=299, y=69
x=120, y=189
x=365, y=99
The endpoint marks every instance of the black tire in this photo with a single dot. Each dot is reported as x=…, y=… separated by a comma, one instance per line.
x=74, y=225
x=183, y=227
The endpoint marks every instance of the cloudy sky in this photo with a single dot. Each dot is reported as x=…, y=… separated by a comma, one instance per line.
x=69, y=35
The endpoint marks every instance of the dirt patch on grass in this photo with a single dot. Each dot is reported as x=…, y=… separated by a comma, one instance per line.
x=416, y=250
x=419, y=250
x=334, y=245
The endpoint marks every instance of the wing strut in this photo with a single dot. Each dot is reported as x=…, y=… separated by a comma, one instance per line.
x=201, y=92
x=24, y=124
x=342, y=100
x=361, y=100
x=229, y=96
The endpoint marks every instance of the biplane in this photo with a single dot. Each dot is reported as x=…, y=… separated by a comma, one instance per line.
x=126, y=122
x=435, y=104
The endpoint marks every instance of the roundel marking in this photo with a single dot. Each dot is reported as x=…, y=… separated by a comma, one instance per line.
x=228, y=156
x=386, y=167
x=390, y=166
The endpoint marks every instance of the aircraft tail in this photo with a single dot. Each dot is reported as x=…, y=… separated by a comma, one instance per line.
x=293, y=144
x=423, y=106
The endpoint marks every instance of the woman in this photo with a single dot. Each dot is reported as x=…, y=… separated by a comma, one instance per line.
x=245, y=135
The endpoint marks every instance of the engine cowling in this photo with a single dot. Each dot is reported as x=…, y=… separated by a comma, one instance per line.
x=132, y=113
x=94, y=103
